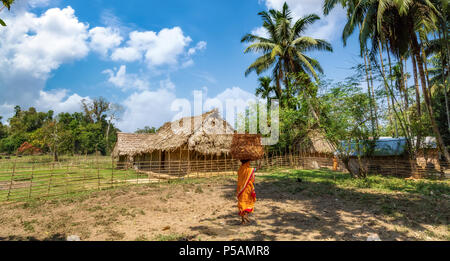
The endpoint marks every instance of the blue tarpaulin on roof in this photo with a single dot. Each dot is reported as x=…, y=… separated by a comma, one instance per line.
x=386, y=146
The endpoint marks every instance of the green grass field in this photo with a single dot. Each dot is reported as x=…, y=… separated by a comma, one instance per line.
x=330, y=181
x=36, y=177
x=292, y=205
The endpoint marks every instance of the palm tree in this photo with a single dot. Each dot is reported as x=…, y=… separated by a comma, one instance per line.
x=266, y=89
x=5, y=4
x=284, y=50
x=397, y=21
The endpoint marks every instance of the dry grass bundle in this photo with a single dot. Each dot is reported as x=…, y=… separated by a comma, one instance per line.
x=247, y=147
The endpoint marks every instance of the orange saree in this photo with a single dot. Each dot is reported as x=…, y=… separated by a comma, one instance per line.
x=245, y=189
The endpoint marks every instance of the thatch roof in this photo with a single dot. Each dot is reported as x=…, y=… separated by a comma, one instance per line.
x=128, y=144
x=319, y=142
x=316, y=142
x=206, y=134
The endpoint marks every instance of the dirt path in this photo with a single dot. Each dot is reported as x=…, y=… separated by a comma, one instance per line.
x=207, y=211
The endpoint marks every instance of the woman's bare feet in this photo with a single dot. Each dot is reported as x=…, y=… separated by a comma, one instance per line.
x=247, y=219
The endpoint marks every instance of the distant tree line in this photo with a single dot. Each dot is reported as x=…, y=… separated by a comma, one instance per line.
x=86, y=132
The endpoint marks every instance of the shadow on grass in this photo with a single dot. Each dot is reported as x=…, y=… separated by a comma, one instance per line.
x=332, y=206
x=55, y=237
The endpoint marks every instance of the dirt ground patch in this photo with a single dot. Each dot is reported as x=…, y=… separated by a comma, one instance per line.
x=286, y=209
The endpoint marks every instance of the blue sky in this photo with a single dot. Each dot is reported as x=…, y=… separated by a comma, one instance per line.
x=141, y=54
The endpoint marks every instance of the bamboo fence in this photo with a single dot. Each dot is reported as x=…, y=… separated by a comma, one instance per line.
x=39, y=177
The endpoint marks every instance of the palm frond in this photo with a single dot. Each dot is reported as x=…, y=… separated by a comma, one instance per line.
x=260, y=47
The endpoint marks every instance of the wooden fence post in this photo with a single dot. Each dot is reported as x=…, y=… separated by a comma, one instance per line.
x=84, y=172
x=65, y=179
x=159, y=166
x=50, y=180
x=204, y=165
x=226, y=163
x=211, y=166
x=170, y=167
x=179, y=164
x=98, y=170
x=151, y=163
x=189, y=162
x=137, y=170
x=112, y=172
x=31, y=181
x=12, y=179
x=197, y=165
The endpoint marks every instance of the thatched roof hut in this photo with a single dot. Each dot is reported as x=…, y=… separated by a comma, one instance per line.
x=316, y=142
x=130, y=144
x=207, y=134
x=319, y=143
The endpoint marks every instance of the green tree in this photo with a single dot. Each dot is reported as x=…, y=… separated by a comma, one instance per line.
x=284, y=50
x=397, y=24
x=146, y=130
x=346, y=113
x=266, y=90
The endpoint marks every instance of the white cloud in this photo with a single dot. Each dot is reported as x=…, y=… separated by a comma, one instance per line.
x=59, y=101
x=6, y=111
x=38, y=3
x=21, y=6
x=187, y=63
x=126, y=54
x=199, y=47
x=261, y=32
x=156, y=49
x=121, y=79
x=147, y=108
x=328, y=28
x=167, y=84
x=104, y=39
x=32, y=47
x=39, y=45
x=235, y=93
x=153, y=108
x=55, y=100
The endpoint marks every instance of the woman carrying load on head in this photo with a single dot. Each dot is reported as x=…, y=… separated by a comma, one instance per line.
x=246, y=190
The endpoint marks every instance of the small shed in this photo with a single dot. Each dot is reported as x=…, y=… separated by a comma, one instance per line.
x=390, y=157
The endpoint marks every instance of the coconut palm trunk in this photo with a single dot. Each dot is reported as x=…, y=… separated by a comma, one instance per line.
x=372, y=89
x=392, y=95
x=444, y=82
x=385, y=85
x=416, y=85
x=369, y=93
x=416, y=52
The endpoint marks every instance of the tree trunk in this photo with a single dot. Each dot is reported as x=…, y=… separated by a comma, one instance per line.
x=392, y=95
x=444, y=64
x=55, y=155
x=369, y=92
x=385, y=85
x=373, y=95
x=416, y=52
x=416, y=84
x=405, y=82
